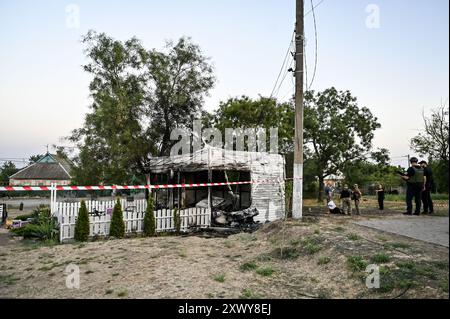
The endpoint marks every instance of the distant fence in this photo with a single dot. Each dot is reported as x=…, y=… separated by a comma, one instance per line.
x=100, y=213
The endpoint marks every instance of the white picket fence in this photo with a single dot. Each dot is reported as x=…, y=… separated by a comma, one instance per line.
x=133, y=216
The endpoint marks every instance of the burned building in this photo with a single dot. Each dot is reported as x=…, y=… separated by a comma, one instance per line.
x=264, y=197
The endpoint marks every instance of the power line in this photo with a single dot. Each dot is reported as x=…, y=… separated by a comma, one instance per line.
x=316, y=44
x=284, y=63
x=314, y=7
x=282, y=80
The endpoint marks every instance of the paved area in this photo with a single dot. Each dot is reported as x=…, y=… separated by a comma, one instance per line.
x=429, y=229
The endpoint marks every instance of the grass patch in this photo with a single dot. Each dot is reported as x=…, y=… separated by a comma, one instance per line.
x=409, y=274
x=109, y=291
x=45, y=268
x=8, y=279
x=444, y=285
x=356, y=263
x=324, y=260
x=115, y=274
x=338, y=229
x=288, y=252
x=219, y=278
x=317, y=231
x=441, y=265
x=87, y=272
x=265, y=271
x=248, y=266
x=353, y=237
x=382, y=238
x=311, y=248
x=381, y=258
x=228, y=244
x=264, y=257
x=247, y=293
x=122, y=293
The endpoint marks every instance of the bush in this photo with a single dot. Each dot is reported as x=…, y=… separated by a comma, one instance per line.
x=82, y=224
x=177, y=220
x=117, y=228
x=45, y=227
x=149, y=218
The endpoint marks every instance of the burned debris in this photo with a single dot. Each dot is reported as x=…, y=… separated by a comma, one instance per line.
x=242, y=207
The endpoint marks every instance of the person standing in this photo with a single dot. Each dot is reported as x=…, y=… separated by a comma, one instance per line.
x=415, y=184
x=346, y=202
x=426, y=193
x=356, y=196
x=328, y=192
x=380, y=196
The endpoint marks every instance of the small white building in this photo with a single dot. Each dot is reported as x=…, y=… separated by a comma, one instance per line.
x=266, y=193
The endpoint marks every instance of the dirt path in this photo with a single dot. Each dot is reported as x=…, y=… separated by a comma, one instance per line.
x=317, y=258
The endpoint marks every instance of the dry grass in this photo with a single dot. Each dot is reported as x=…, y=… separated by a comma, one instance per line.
x=315, y=258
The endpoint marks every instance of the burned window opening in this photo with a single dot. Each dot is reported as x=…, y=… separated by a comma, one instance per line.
x=234, y=197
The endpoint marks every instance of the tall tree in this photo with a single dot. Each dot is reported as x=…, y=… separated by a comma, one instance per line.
x=6, y=170
x=178, y=82
x=266, y=113
x=138, y=96
x=433, y=142
x=337, y=131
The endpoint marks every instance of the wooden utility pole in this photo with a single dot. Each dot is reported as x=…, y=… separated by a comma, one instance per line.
x=297, y=197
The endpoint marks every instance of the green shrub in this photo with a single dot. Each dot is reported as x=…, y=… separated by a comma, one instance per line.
x=149, y=218
x=44, y=227
x=248, y=266
x=356, y=263
x=82, y=224
x=117, y=228
x=265, y=272
x=381, y=258
x=177, y=220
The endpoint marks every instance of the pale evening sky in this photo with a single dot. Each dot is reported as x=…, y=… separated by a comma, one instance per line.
x=397, y=70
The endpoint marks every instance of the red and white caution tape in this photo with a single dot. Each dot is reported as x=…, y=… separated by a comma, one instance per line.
x=118, y=187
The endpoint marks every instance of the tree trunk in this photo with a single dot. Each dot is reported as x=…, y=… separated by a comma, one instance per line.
x=321, y=189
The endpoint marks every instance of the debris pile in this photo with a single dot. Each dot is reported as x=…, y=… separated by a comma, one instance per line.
x=224, y=215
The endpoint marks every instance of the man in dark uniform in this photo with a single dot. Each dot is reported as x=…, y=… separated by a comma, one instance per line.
x=415, y=184
x=426, y=194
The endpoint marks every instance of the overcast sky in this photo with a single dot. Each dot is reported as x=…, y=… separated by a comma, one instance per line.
x=397, y=69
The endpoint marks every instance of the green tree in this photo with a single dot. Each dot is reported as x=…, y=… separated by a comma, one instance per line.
x=180, y=77
x=265, y=113
x=82, y=224
x=433, y=142
x=337, y=131
x=35, y=158
x=138, y=96
x=117, y=227
x=6, y=170
x=149, y=218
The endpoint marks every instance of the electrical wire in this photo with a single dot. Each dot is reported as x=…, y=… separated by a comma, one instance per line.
x=284, y=77
x=283, y=65
x=316, y=45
